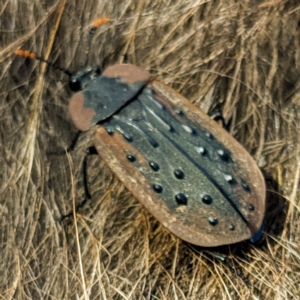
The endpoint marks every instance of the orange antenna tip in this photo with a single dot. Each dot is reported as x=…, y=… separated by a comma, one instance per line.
x=25, y=53
x=100, y=22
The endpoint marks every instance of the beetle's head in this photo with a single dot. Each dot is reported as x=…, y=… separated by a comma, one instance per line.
x=80, y=79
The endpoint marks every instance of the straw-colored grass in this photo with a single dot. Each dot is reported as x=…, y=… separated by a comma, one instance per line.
x=242, y=57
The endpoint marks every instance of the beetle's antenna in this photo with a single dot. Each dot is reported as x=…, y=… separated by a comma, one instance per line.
x=95, y=25
x=33, y=56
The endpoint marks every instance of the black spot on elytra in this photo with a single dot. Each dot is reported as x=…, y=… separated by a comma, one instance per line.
x=231, y=227
x=179, y=174
x=179, y=112
x=127, y=137
x=229, y=179
x=251, y=207
x=131, y=157
x=109, y=130
x=206, y=199
x=224, y=155
x=153, y=165
x=213, y=221
x=157, y=188
x=202, y=150
x=181, y=199
x=245, y=186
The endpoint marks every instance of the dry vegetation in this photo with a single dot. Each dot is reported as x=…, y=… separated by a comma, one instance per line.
x=240, y=56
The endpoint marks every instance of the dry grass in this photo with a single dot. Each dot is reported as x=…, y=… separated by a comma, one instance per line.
x=240, y=56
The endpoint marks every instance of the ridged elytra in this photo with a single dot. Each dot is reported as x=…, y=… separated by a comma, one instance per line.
x=195, y=178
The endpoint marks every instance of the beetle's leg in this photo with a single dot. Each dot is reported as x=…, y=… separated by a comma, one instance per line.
x=218, y=116
x=126, y=58
x=74, y=142
x=227, y=261
x=87, y=194
x=70, y=148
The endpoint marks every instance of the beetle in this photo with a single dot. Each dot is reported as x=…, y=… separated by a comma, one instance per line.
x=187, y=170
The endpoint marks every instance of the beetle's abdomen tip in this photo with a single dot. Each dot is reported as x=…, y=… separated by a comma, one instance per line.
x=81, y=116
x=129, y=73
x=257, y=235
